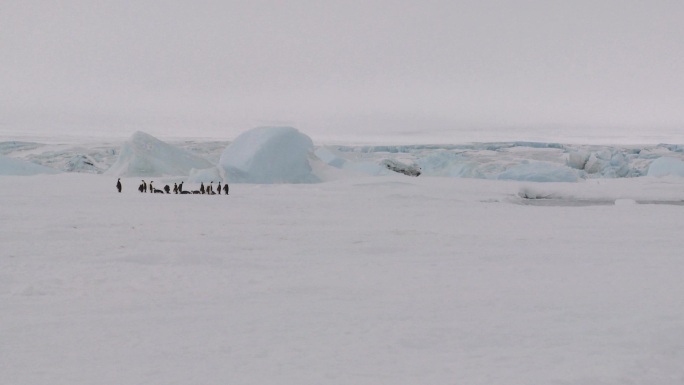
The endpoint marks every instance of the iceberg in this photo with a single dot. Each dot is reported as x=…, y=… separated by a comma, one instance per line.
x=333, y=158
x=11, y=166
x=539, y=172
x=269, y=155
x=145, y=155
x=82, y=163
x=207, y=175
x=666, y=166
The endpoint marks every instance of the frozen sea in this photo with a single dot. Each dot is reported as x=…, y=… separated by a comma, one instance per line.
x=458, y=276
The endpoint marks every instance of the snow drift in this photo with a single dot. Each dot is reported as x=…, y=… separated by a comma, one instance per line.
x=11, y=166
x=269, y=155
x=144, y=155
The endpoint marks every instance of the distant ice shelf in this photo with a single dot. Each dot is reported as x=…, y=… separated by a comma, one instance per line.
x=285, y=155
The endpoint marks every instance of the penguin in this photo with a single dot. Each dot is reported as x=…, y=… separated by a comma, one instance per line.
x=144, y=186
x=180, y=187
x=202, y=188
x=225, y=188
x=140, y=188
x=151, y=188
x=167, y=189
x=118, y=184
x=218, y=189
x=175, y=188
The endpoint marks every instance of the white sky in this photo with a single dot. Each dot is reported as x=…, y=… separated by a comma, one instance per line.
x=416, y=71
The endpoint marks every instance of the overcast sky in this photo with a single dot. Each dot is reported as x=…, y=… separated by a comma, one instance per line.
x=448, y=71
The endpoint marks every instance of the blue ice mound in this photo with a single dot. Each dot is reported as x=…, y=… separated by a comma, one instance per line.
x=539, y=172
x=666, y=166
x=145, y=155
x=12, y=166
x=268, y=155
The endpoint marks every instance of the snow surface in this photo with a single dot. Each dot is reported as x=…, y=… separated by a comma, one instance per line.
x=362, y=280
x=471, y=273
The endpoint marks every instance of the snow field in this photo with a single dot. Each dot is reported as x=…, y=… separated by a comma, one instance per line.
x=361, y=280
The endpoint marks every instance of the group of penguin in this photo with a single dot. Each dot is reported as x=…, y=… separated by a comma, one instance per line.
x=178, y=188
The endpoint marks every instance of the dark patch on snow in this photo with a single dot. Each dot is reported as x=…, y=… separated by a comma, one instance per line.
x=402, y=168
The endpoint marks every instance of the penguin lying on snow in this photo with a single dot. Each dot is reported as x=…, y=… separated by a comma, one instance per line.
x=154, y=190
x=178, y=188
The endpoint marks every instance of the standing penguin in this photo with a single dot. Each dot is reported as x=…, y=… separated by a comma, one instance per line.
x=180, y=187
x=175, y=188
x=144, y=186
x=225, y=188
x=218, y=189
x=118, y=184
x=201, y=187
x=151, y=188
